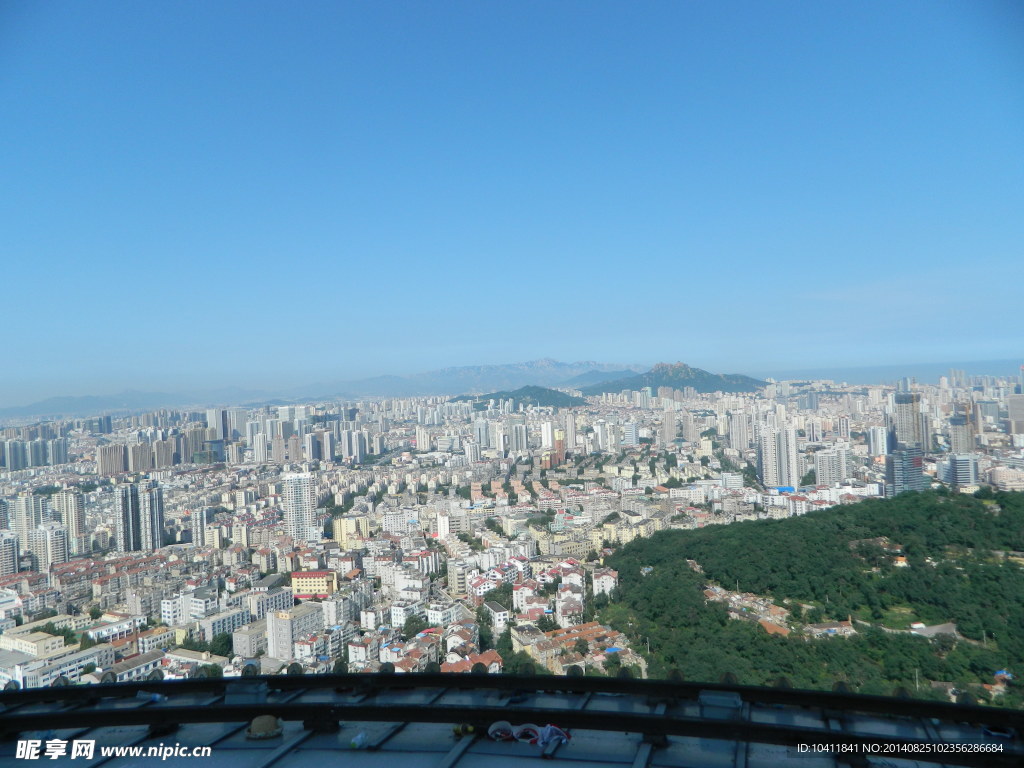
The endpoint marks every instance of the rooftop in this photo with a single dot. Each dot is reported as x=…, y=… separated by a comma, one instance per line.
x=408, y=719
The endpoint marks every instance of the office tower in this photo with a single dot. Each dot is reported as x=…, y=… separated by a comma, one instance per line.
x=904, y=471
x=832, y=466
x=962, y=470
x=10, y=551
x=27, y=512
x=295, y=448
x=961, y=435
x=379, y=445
x=878, y=441
x=140, y=518
x=778, y=460
x=49, y=546
x=298, y=505
x=630, y=434
x=547, y=435
x=472, y=452
x=422, y=439
x=140, y=457
x=217, y=420
x=111, y=460
x=1015, y=414
x=70, y=505
x=907, y=425
x=481, y=433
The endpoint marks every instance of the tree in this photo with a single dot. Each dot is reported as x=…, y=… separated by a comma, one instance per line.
x=811, y=478
x=546, y=624
x=221, y=645
x=413, y=626
x=582, y=647
x=212, y=670
x=95, y=612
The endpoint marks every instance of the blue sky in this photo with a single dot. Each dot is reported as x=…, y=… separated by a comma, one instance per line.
x=263, y=194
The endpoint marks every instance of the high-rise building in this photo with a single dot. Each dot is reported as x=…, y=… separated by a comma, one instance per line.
x=907, y=425
x=547, y=435
x=878, y=441
x=832, y=465
x=481, y=433
x=519, y=439
x=962, y=470
x=49, y=546
x=298, y=504
x=15, y=455
x=739, y=431
x=27, y=512
x=778, y=460
x=904, y=471
x=140, y=457
x=570, y=432
x=961, y=435
x=140, y=518
x=217, y=420
x=630, y=434
x=70, y=505
x=111, y=460
x=10, y=552
x=422, y=439
x=1015, y=414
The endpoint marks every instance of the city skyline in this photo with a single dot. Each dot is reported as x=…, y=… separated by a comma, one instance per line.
x=247, y=194
x=140, y=400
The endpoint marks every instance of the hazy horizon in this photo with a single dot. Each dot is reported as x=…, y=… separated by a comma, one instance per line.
x=924, y=372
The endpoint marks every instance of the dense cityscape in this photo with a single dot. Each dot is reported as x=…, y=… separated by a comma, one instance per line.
x=454, y=534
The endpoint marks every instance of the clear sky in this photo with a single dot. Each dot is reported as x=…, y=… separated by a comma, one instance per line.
x=205, y=194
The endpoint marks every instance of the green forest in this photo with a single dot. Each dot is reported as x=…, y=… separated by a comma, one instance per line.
x=961, y=567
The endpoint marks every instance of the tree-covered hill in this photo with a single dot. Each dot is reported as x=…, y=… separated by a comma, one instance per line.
x=957, y=571
x=678, y=376
x=539, y=396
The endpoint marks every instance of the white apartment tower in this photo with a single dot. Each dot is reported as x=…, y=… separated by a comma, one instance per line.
x=778, y=458
x=298, y=503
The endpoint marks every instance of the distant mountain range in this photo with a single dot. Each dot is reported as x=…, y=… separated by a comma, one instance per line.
x=678, y=376
x=540, y=396
x=471, y=379
x=446, y=381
